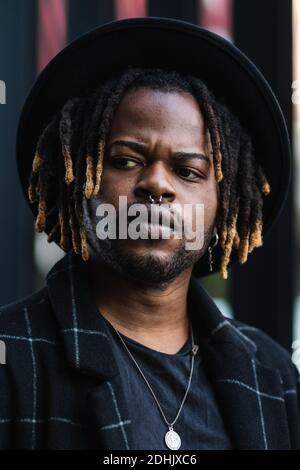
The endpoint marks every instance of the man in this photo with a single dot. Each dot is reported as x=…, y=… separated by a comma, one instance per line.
x=123, y=348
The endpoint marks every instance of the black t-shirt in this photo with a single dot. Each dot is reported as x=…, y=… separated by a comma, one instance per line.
x=199, y=425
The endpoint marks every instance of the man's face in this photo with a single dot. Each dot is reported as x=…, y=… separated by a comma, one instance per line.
x=157, y=144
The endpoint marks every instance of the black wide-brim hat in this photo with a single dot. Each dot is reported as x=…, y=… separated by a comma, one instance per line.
x=173, y=45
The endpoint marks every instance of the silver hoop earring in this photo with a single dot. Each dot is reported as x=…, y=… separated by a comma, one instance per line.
x=210, y=249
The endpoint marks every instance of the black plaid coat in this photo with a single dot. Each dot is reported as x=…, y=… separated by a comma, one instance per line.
x=60, y=387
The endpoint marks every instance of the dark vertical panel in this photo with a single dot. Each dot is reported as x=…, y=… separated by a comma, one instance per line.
x=263, y=289
x=183, y=10
x=84, y=16
x=17, y=69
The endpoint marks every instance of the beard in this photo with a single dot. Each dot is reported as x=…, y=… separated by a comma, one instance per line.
x=147, y=269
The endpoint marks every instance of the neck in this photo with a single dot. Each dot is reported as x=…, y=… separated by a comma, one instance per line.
x=156, y=318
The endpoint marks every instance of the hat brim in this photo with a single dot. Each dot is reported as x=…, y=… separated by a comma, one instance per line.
x=169, y=44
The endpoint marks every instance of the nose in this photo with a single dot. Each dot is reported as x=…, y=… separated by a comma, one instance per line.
x=154, y=181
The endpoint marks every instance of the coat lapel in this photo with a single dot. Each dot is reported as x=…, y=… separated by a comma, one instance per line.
x=109, y=416
x=249, y=394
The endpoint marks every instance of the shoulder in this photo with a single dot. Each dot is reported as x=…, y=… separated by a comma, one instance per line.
x=267, y=351
x=37, y=302
x=26, y=317
x=29, y=339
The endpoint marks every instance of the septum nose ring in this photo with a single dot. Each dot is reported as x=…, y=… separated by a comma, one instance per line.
x=152, y=200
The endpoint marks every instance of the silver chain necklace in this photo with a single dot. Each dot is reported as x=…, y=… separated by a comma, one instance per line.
x=172, y=438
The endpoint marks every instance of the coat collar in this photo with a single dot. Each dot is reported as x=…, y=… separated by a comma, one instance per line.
x=83, y=330
x=249, y=393
x=81, y=326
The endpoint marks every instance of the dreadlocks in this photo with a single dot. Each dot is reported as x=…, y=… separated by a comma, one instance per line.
x=69, y=159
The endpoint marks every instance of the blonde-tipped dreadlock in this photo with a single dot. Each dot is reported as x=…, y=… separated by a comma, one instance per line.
x=70, y=152
x=69, y=178
x=99, y=167
x=89, y=174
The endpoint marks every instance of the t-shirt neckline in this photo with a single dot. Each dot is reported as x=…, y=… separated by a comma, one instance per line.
x=183, y=351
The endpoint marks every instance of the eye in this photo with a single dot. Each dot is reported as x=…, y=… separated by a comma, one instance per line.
x=124, y=162
x=186, y=172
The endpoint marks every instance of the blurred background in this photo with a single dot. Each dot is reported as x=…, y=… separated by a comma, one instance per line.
x=265, y=292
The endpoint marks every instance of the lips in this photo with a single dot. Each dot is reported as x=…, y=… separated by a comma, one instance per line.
x=158, y=213
x=160, y=227
x=155, y=231
x=160, y=224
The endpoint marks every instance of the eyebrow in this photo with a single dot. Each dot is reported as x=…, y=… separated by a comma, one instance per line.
x=142, y=149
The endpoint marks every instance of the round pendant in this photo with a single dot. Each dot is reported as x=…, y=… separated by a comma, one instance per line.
x=172, y=440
